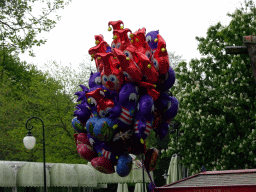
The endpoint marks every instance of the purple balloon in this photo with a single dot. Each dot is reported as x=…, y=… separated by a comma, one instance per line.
x=168, y=83
x=81, y=94
x=95, y=80
x=150, y=37
x=124, y=110
x=144, y=117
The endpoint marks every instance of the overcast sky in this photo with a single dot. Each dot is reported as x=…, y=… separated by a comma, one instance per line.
x=178, y=22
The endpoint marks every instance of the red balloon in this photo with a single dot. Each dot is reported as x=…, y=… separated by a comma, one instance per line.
x=160, y=57
x=151, y=158
x=86, y=152
x=103, y=165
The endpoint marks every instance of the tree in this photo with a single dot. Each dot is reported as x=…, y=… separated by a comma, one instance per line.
x=70, y=77
x=19, y=27
x=217, y=111
x=40, y=96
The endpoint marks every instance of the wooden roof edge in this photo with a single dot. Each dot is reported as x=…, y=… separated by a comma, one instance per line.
x=208, y=186
x=240, y=171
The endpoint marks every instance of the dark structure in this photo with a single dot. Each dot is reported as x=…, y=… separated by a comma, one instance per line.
x=249, y=48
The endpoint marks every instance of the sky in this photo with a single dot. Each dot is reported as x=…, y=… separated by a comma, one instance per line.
x=178, y=22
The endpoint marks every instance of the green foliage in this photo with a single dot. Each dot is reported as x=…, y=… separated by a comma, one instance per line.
x=69, y=77
x=40, y=96
x=217, y=101
x=19, y=27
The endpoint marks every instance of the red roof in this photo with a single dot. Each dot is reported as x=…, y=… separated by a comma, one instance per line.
x=215, y=179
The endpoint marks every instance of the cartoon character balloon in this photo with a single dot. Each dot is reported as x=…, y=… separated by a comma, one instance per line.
x=125, y=100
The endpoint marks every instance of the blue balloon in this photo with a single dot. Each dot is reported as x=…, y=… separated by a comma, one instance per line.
x=124, y=165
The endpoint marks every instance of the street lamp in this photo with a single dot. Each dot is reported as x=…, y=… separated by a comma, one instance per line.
x=30, y=141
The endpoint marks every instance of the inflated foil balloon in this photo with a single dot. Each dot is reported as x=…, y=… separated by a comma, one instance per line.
x=83, y=147
x=83, y=113
x=115, y=25
x=124, y=165
x=121, y=39
x=123, y=112
x=81, y=138
x=168, y=83
x=161, y=58
x=95, y=80
x=81, y=94
x=139, y=41
x=103, y=165
x=129, y=68
x=104, y=129
x=168, y=108
x=144, y=117
x=151, y=39
x=112, y=78
x=112, y=121
x=103, y=149
x=90, y=124
x=97, y=98
x=150, y=159
x=142, y=61
x=78, y=126
x=100, y=48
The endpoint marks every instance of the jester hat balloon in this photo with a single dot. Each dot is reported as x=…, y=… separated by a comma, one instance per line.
x=144, y=64
x=100, y=48
x=115, y=25
x=121, y=39
x=161, y=57
x=139, y=41
x=97, y=98
x=99, y=39
x=147, y=68
x=144, y=117
x=150, y=38
x=112, y=78
x=129, y=68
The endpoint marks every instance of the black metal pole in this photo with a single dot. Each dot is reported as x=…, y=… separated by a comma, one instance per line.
x=45, y=189
x=143, y=173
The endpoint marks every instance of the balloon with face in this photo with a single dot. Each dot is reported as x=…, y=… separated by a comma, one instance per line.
x=139, y=41
x=112, y=78
x=144, y=117
x=151, y=39
x=161, y=58
x=81, y=94
x=123, y=112
x=100, y=48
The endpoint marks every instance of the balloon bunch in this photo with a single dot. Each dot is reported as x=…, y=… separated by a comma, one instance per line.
x=125, y=101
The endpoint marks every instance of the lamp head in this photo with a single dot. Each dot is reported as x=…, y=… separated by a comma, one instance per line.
x=29, y=141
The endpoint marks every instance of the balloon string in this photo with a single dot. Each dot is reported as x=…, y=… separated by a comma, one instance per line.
x=143, y=167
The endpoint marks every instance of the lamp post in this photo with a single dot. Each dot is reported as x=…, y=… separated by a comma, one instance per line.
x=30, y=141
x=165, y=176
